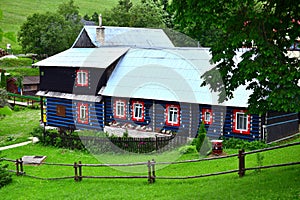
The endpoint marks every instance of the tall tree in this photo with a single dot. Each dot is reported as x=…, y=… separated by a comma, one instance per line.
x=50, y=33
x=142, y=14
x=201, y=20
x=268, y=68
x=4, y=105
x=118, y=15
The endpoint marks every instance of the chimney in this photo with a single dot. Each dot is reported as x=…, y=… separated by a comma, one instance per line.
x=100, y=32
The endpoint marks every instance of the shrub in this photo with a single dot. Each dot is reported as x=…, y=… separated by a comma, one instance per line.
x=198, y=141
x=187, y=149
x=235, y=143
x=5, y=177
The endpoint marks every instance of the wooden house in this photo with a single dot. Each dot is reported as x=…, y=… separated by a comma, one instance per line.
x=135, y=78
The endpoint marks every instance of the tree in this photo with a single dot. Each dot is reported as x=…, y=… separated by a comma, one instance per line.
x=201, y=19
x=70, y=12
x=266, y=69
x=4, y=105
x=146, y=14
x=5, y=177
x=50, y=33
x=3, y=79
x=143, y=14
x=118, y=15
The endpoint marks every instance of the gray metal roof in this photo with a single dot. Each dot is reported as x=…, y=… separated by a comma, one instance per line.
x=167, y=74
x=85, y=57
x=89, y=98
x=129, y=36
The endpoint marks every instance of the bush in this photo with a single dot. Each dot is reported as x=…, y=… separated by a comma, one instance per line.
x=5, y=177
x=198, y=141
x=235, y=143
x=188, y=149
x=17, y=108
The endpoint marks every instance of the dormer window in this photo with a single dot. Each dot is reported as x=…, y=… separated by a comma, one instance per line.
x=82, y=78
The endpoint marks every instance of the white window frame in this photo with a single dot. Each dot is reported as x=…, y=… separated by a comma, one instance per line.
x=82, y=78
x=173, y=113
x=82, y=112
x=120, y=108
x=241, y=121
x=138, y=111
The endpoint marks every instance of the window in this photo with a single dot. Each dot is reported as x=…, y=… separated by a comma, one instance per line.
x=61, y=111
x=82, y=78
x=138, y=111
x=241, y=122
x=172, y=115
x=120, y=109
x=207, y=116
x=83, y=111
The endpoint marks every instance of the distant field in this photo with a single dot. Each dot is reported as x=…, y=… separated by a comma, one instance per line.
x=14, y=12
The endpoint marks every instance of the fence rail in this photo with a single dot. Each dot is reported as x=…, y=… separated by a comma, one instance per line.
x=151, y=165
x=22, y=100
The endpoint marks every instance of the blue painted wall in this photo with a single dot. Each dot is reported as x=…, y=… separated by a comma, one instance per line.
x=96, y=114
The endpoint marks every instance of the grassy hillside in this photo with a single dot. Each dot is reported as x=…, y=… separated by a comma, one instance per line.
x=14, y=13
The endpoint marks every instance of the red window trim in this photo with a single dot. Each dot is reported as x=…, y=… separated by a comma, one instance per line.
x=235, y=130
x=86, y=78
x=86, y=121
x=143, y=111
x=205, y=110
x=168, y=106
x=115, y=109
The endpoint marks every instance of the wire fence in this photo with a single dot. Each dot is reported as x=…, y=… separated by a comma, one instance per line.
x=151, y=167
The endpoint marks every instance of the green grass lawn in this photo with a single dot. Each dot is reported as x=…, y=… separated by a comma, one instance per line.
x=17, y=127
x=274, y=183
x=14, y=13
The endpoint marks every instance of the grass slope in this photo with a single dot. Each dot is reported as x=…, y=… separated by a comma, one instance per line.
x=14, y=13
x=275, y=183
x=17, y=127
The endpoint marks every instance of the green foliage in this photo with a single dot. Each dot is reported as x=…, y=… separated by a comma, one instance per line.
x=18, y=108
x=142, y=14
x=266, y=69
x=5, y=176
x=187, y=149
x=125, y=134
x=50, y=33
x=198, y=141
x=235, y=143
x=259, y=160
x=3, y=80
x=3, y=99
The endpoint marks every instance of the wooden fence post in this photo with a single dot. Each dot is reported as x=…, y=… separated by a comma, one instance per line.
x=241, y=157
x=153, y=170
x=21, y=166
x=149, y=172
x=80, y=170
x=76, y=171
x=17, y=167
x=156, y=143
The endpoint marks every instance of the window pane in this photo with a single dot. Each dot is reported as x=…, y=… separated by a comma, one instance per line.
x=207, y=116
x=82, y=113
x=241, y=121
x=173, y=112
x=138, y=110
x=120, y=108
